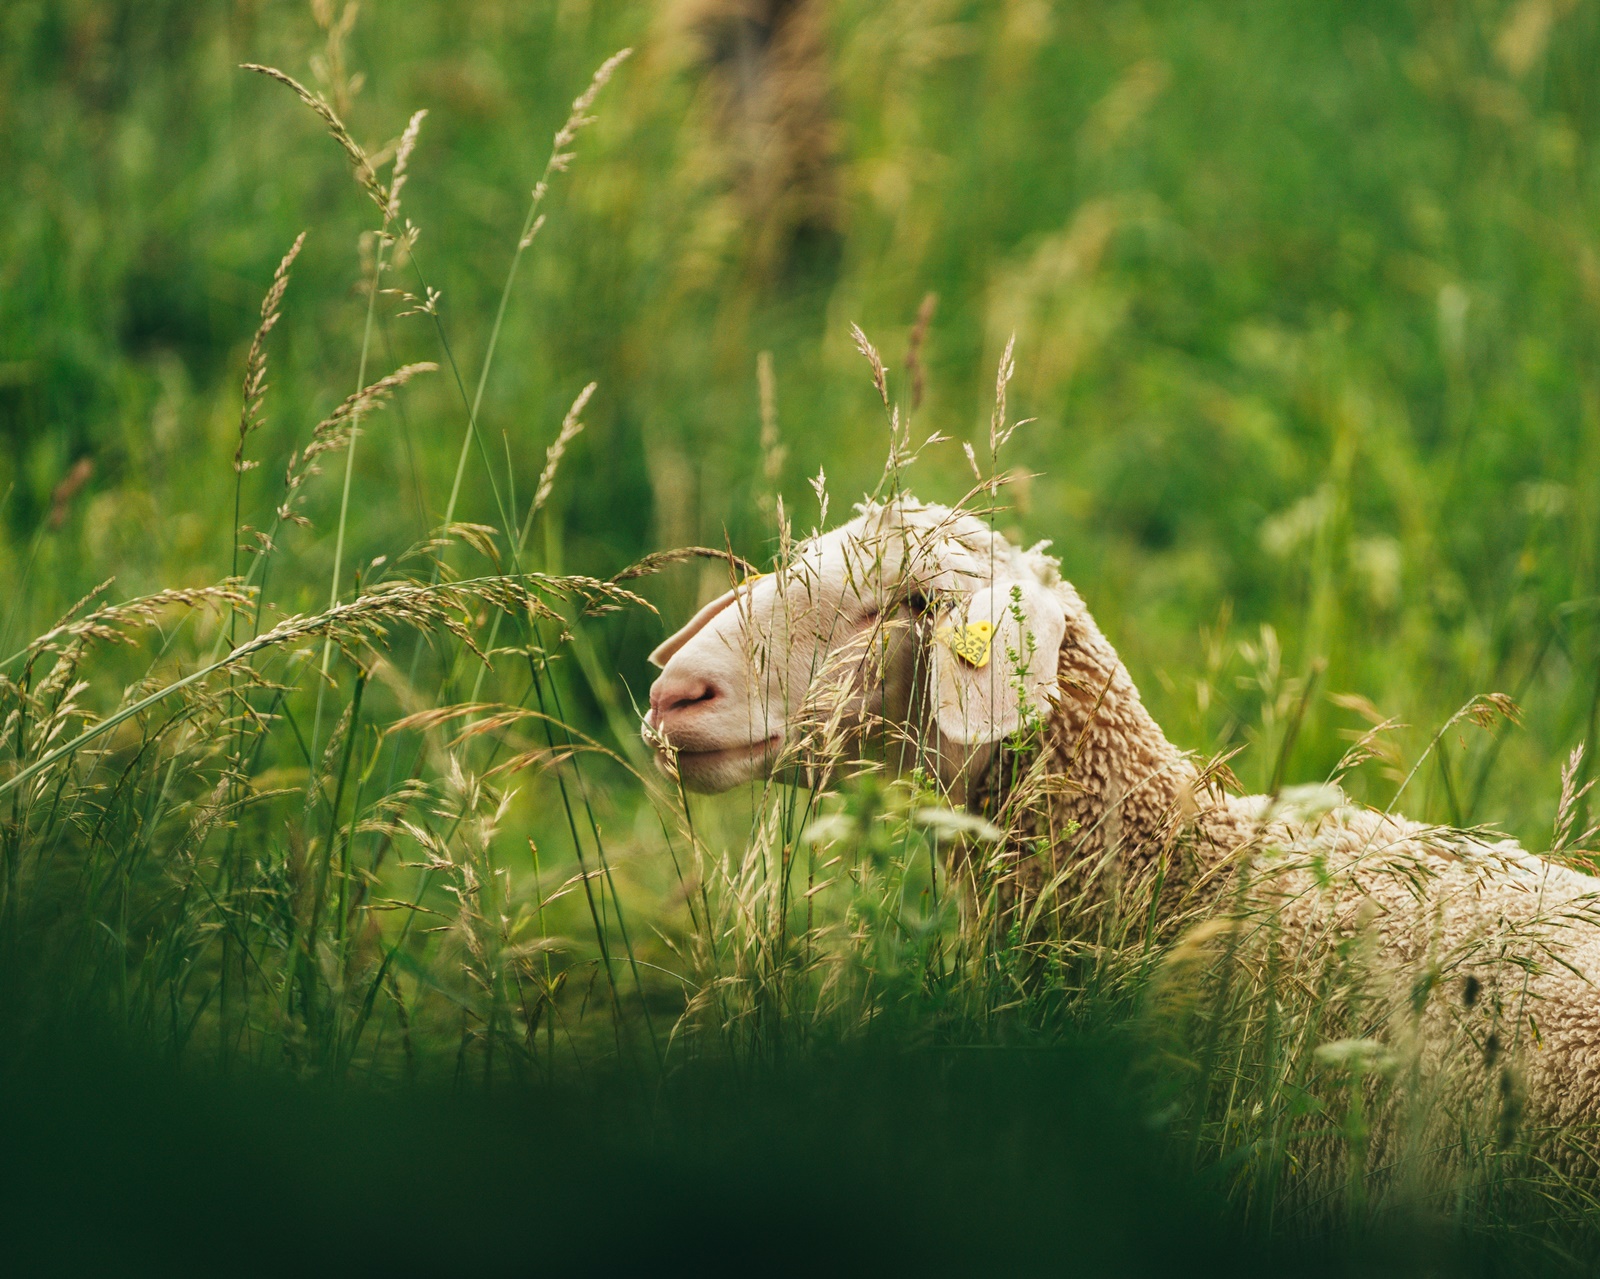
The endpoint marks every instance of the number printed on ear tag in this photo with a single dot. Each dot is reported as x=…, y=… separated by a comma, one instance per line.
x=970, y=643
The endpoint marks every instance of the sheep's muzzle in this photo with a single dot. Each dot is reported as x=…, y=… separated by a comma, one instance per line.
x=692, y=734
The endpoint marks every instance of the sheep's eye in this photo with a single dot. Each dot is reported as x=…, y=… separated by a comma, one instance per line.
x=918, y=601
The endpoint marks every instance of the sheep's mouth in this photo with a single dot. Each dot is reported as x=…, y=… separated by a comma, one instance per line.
x=719, y=768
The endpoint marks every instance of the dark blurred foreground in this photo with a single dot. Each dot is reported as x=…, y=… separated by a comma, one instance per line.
x=998, y=1161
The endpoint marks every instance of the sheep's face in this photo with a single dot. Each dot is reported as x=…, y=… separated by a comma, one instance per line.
x=819, y=650
x=802, y=663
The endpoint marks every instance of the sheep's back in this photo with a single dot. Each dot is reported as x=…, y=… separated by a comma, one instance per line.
x=1497, y=947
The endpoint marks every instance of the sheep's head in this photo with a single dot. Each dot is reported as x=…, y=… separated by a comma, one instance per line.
x=916, y=619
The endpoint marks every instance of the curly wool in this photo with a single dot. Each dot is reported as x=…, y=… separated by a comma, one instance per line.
x=1100, y=806
x=1506, y=943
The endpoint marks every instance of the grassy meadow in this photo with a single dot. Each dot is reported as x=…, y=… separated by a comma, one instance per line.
x=322, y=802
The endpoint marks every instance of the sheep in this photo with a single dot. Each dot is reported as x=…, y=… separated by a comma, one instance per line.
x=993, y=677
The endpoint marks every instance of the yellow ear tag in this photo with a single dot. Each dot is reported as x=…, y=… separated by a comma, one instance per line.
x=970, y=643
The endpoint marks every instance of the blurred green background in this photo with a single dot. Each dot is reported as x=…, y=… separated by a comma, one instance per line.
x=1305, y=298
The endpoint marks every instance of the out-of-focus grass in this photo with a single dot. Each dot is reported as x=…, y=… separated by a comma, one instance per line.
x=880, y=1160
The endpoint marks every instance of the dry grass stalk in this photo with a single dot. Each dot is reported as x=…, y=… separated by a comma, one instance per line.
x=109, y=624
x=363, y=620
x=738, y=568
x=999, y=432
x=579, y=118
x=571, y=425
x=402, y=158
x=561, y=156
x=1573, y=793
x=334, y=431
x=880, y=376
x=255, y=365
x=366, y=175
x=819, y=486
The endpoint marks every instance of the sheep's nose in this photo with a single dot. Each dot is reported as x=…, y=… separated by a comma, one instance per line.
x=672, y=694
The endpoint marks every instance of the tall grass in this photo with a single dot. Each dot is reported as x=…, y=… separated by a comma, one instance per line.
x=395, y=823
x=1297, y=295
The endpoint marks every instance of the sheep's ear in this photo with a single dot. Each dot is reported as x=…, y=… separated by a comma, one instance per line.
x=691, y=628
x=994, y=657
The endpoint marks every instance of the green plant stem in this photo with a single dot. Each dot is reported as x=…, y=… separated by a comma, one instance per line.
x=349, y=473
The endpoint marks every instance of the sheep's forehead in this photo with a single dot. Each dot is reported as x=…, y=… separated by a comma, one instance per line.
x=846, y=562
x=889, y=542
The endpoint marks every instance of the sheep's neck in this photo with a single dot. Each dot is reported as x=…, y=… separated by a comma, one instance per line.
x=1101, y=782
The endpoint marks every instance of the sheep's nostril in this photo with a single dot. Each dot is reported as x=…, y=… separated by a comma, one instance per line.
x=671, y=695
x=706, y=694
